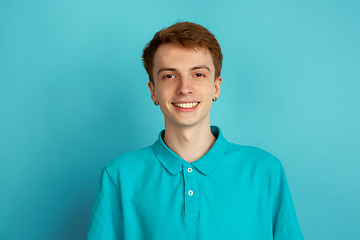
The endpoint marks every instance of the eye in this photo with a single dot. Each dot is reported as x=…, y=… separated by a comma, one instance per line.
x=199, y=75
x=169, y=76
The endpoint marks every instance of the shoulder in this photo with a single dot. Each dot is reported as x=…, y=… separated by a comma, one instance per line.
x=254, y=156
x=130, y=161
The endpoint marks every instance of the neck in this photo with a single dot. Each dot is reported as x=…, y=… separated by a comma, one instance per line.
x=190, y=143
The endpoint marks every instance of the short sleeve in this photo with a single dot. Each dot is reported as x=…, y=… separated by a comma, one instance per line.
x=106, y=216
x=285, y=222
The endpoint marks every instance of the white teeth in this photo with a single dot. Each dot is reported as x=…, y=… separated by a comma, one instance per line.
x=186, y=105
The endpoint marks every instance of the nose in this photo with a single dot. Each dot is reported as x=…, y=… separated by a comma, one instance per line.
x=185, y=86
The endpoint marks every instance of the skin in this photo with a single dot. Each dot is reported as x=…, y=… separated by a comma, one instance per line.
x=185, y=75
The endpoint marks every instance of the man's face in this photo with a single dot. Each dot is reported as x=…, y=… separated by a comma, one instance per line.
x=184, y=84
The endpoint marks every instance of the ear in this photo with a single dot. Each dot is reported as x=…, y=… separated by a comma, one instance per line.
x=217, y=87
x=152, y=91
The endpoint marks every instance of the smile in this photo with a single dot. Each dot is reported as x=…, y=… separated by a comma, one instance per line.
x=186, y=105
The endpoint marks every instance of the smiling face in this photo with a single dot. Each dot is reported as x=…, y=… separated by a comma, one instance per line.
x=185, y=85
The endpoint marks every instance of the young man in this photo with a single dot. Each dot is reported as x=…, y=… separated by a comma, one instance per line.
x=191, y=183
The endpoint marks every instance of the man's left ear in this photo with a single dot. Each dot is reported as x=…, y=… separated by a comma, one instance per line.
x=217, y=87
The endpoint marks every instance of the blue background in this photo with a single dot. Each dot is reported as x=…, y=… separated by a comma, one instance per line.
x=74, y=95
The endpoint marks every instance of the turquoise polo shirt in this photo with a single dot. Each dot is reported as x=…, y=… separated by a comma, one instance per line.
x=232, y=192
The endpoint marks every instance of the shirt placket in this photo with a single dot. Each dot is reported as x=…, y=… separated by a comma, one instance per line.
x=191, y=193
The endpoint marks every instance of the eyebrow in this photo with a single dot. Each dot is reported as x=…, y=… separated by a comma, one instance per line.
x=201, y=67
x=166, y=69
x=194, y=68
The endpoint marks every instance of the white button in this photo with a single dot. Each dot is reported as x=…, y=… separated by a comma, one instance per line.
x=189, y=169
x=191, y=192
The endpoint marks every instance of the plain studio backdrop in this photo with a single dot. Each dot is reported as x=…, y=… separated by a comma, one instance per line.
x=74, y=95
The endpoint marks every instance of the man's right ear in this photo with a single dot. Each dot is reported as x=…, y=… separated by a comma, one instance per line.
x=152, y=91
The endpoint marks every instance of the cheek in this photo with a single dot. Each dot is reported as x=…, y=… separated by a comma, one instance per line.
x=211, y=90
x=160, y=94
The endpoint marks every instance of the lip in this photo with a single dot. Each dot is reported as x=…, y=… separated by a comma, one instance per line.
x=185, y=109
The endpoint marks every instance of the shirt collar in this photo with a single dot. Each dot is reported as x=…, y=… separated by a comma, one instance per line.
x=206, y=164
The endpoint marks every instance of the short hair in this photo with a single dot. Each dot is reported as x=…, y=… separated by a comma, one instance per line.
x=186, y=34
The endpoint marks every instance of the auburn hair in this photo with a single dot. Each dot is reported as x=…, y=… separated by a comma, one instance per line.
x=186, y=34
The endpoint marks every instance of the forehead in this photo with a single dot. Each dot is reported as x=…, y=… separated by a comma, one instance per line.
x=176, y=56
